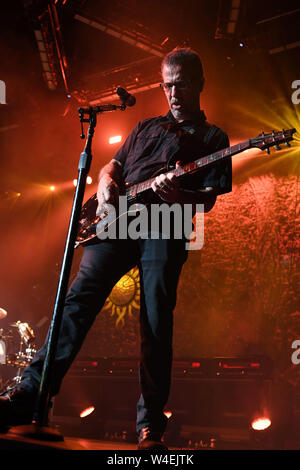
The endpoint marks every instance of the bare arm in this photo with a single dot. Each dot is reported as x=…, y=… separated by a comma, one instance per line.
x=110, y=179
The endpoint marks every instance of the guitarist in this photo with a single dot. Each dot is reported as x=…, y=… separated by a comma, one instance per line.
x=182, y=135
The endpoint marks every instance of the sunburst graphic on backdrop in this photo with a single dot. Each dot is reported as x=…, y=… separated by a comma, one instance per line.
x=125, y=296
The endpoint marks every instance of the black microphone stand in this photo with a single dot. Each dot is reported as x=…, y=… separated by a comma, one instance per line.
x=39, y=428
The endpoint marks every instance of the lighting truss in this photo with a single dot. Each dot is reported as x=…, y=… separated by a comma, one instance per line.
x=48, y=36
x=136, y=77
x=228, y=17
x=134, y=39
x=46, y=52
x=279, y=33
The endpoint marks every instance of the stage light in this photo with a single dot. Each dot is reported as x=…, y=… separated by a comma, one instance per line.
x=261, y=423
x=87, y=411
x=196, y=364
x=115, y=139
x=89, y=180
x=168, y=414
x=241, y=44
x=52, y=188
x=261, y=432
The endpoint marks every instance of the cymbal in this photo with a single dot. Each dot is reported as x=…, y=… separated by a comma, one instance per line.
x=3, y=313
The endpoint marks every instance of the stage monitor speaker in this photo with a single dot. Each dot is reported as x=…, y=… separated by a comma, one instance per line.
x=205, y=394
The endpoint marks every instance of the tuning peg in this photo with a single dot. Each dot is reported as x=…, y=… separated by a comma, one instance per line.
x=277, y=147
x=287, y=144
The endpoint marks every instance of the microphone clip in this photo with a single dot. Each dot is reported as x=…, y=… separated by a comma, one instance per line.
x=92, y=111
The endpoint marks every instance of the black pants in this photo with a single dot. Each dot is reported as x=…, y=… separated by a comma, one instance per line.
x=102, y=265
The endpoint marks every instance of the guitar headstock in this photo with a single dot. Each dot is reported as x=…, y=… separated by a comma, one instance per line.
x=265, y=141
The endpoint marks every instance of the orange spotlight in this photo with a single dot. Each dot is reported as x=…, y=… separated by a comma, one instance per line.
x=52, y=188
x=87, y=411
x=261, y=423
x=168, y=414
x=115, y=139
x=89, y=180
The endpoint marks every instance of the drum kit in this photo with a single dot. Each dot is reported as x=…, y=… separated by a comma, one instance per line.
x=26, y=350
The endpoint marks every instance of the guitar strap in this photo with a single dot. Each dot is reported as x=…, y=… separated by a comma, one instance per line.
x=205, y=134
x=209, y=134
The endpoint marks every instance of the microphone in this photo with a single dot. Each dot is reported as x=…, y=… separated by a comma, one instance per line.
x=126, y=97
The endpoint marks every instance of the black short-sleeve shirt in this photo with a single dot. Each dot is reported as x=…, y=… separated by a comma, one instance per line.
x=160, y=142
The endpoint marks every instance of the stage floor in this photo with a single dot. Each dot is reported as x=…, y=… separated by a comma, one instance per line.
x=13, y=441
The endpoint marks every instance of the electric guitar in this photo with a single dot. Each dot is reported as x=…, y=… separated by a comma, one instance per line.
x=91, y=224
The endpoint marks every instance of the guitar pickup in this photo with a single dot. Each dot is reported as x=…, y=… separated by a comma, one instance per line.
x=83, y=222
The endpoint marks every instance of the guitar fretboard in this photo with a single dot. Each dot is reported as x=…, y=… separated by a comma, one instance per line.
x=191, y=167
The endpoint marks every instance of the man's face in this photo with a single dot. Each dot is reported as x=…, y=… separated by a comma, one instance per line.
x=183, y=98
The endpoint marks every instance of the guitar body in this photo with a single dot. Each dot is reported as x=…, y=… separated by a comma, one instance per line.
x=88, y=223
x=92, y=224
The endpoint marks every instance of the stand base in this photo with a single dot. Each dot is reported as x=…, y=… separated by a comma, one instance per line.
x=41, y=433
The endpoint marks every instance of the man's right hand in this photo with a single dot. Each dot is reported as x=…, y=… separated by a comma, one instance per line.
x=107, y=192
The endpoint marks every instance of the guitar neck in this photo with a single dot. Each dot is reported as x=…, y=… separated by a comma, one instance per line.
x=191, y=167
